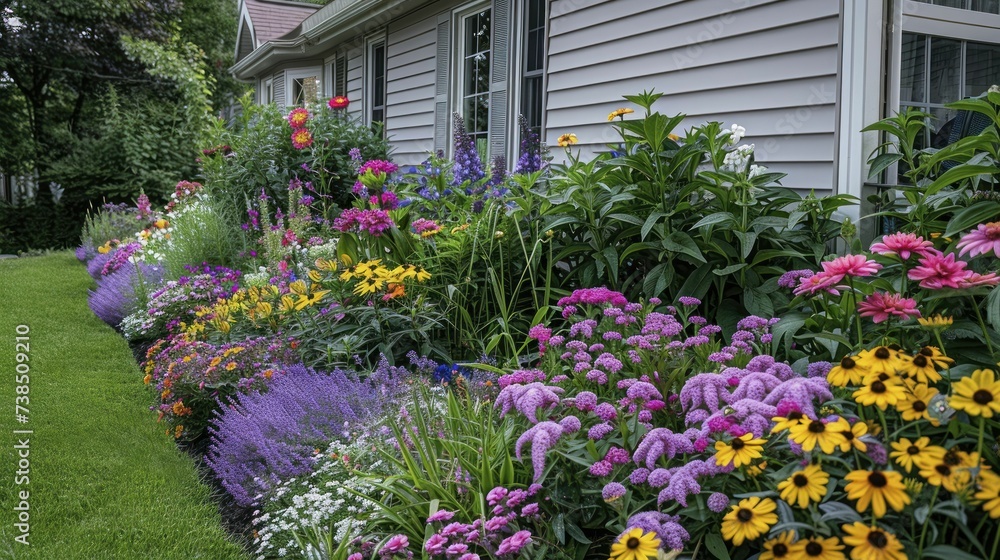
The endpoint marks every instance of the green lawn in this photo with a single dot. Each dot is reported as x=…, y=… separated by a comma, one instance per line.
x=105, y=481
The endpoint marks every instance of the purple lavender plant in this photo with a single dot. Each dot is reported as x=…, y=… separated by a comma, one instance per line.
x=467, y=166
x=115, y=295
x=265, y=438
x=530, y=154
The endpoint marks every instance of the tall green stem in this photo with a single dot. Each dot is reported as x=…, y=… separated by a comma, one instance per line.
x=982, y=325
x=927, y=521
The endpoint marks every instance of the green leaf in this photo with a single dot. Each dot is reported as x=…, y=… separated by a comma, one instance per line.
x=993, y=309
x=948, y=552
x=717, y=218
x=559, y=528
x=758, y=303
x=717, y=546
x=680, y=242
x=747, y=241
x=880, y=162
x=650, y=222
x=959, y=173
x=577, y=533
x=983, y=211
x=729, y=269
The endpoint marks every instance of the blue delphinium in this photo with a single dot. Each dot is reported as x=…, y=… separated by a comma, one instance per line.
x=467, y=166
x=530, y=153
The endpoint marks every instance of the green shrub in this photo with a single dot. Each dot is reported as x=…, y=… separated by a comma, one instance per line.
x=40, y=224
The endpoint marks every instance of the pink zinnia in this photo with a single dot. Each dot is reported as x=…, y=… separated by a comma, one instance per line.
x=817, y=283
x=937, y=271
x=881, y=306
x=902, y=244
x=298, y=118
x=850, y=265
x=984, y=239
x=396, y=544
x=302, y=139
x=973, y=279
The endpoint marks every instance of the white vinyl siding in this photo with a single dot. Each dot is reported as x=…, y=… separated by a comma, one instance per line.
x=411, y=51
x=771, y=67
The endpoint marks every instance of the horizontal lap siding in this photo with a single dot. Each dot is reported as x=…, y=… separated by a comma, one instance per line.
x=770, y=67
x=411, y=73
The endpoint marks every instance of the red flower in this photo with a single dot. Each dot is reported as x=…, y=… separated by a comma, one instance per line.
x=298, y=118
x=302, y=139
x=338, y=102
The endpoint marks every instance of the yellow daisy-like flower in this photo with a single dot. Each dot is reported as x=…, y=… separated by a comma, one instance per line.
x=369, y=286
x=880, y=359
x=948, y=469
x=935, y=322
x=739, y=451
x=988, y=491
x=230, y=366
x=872, y=543
x=635, y=544
x=749, y=519
x=807, y=485
x=877, y=489
x=906, y=452
x=852, y=438
x=619, y=113
x=756, y=470
x=916, y=405
x=420, y=274
x=934, y=354
x=793, y=418
x=826, y=435
x=326, y=265
x=778, y=547
x=819, y=548
x=921, y=367
x=882, y=390
x=567, y=140
x=161, y=224
x=978, y=394
x=847, y=372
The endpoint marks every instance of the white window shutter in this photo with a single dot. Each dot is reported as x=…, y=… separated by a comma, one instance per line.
x=441, y=113
x=279, y=89
x=498, y=76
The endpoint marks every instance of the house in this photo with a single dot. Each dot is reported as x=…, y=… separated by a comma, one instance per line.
x=802, y=76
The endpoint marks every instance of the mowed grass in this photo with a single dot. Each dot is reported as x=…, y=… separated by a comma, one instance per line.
x=106, y=482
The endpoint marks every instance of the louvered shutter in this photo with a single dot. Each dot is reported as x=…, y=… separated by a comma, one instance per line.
x=278, y=87
x=441, y=114
x=498, y=76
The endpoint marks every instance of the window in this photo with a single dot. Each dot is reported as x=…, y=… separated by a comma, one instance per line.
x=302, y=86
x=267, y=94
x=533, y=65
x=474, y=31
x=376, y=81
x=938, y=70
x=989, y=6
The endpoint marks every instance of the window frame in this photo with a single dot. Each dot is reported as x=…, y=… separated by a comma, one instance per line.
x=267, y=91
x=457, y=66
x=371, y=43
x=519, y=41
x=293, y=74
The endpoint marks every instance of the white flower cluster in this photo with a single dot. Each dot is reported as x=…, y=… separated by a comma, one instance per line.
x=326, y=498
x=737, y=159
x=736, y=133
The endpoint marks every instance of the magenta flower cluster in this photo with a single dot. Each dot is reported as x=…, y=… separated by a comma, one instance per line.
x=499, y=536
x=373, y=221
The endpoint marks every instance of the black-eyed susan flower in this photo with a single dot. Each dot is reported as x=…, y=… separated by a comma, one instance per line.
x=882, y=390
x=635, y=544
x=880, y=359
x=792, y=418
x=935, y=322
x=739, y=451
x=369, y=286
x=978, y=394
x=619, y=113
x=906, y=452
x=567, y=140
x=749, y=519
x=420, y=274
x=804, y=486
x=922, y=368
x=916, y=405
x=988, y=491
x=852, y=438
x=872, y=543
x=877, y=489
x=778, y=547
x=819, y=548
x=826, y=435
x=847, y=372
x=949, y=469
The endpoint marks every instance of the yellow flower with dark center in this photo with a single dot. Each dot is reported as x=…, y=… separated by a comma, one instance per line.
x=826, y=435
x=988, y=491
x=880, y=359
x=230, y=366
x=916, y=405
x=420, y=274
x=872, y=543
x=948, y=469
x=778, y=547
x=906, y=452
x=349, y=274
x=877, y=489
x=315, y=276
x=807, y=485
x=287, y=303
x=818, y=548
x=368, y=286
x=933, y=353
x=978, y=394
x=793, y=418
x=935, y=322
x=882, y=390
x=921, y=368
x=852, y=438
x=620, y=113
x=297, y=287
x=567, y=140
x=635, y=544
x=326, y=265
x=739, y=451
x=749, y=519
x=847, y=372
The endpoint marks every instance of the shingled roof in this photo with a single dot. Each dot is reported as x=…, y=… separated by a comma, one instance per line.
x=274, y=18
